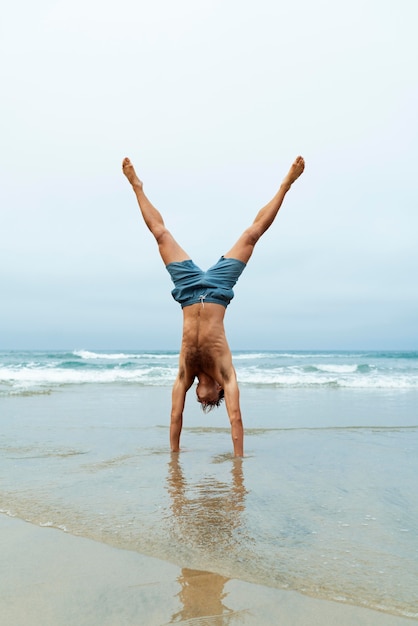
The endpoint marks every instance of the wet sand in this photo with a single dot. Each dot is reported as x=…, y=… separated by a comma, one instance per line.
x=49, y=578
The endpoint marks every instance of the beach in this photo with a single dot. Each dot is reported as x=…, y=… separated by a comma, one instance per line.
x=102, y=524
x=49, y=577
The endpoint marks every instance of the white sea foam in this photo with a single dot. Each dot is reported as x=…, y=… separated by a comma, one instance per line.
x=26, y=377
x=251, y=356
x=241, y=356
x=120, y=356
x=337, y=369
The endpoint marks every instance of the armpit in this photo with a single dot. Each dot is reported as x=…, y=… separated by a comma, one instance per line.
x=226, y=374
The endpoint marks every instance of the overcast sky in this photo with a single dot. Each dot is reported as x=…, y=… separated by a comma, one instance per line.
x=212, y=100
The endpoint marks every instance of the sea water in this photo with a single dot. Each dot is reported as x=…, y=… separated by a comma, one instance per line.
x=33, y=372
x=325, y=501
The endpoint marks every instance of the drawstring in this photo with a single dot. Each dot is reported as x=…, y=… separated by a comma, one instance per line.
x=201, y=298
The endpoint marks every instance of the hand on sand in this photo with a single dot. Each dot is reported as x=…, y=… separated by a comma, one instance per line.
x=128, y=170
x=295, y=171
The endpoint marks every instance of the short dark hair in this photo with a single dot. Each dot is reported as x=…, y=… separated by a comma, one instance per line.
x=208, y=406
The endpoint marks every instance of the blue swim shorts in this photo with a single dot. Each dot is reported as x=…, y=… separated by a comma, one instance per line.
x=193, y=285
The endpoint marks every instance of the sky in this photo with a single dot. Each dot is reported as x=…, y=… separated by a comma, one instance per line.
x=212, y=101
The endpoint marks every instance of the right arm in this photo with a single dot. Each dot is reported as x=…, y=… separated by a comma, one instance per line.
x=178, y=399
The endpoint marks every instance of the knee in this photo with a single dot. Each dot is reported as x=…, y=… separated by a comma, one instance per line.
x=162, y=235
x=252, y=235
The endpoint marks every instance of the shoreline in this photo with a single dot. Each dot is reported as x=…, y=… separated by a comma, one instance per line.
x=50, y=577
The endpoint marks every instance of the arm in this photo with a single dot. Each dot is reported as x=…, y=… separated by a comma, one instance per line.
x=231, y=391
x=178, y=398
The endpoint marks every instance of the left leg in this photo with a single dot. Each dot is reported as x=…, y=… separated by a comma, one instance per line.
x=243, y=248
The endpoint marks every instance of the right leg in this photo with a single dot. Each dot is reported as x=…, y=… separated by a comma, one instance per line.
x=244, y=247
x=169, y=248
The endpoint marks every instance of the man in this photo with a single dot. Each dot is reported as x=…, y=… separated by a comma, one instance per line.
x=204, y=296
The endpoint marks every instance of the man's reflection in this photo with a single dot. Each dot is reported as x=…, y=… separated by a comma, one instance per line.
x=202, y=595
x=206, y=514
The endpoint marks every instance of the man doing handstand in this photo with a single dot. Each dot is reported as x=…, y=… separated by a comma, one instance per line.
x=204, y=296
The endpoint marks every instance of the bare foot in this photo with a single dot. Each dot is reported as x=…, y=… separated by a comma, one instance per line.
x=128, y=170
x=295, y=171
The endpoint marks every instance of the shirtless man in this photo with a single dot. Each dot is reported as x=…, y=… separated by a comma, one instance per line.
x=204, y=296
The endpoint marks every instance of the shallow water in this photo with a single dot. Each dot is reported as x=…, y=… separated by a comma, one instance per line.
x=325, y=501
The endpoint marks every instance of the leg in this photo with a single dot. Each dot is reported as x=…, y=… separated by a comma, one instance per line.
x=244, y=247
x=169, y=248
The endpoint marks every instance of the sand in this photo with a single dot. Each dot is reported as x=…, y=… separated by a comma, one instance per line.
x=51, y=578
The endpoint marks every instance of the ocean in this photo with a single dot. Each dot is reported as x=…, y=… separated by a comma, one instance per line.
x=38, y=372
x=325, y=501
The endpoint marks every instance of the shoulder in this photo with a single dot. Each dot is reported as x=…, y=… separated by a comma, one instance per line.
x=228, y=373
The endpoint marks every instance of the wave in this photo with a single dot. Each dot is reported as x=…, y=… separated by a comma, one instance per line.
x=273, y=354
x=27, y=372
x=337, y=369
x=118, y=356
x=25, y=378
x=287, y=379
x=28, y=381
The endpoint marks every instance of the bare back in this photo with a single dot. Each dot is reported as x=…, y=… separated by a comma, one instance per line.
x=204, y=346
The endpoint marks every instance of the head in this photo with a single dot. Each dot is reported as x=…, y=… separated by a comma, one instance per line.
x=209, y=394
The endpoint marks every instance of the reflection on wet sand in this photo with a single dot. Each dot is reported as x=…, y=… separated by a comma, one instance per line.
x=202, y=595
x=206, y=515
